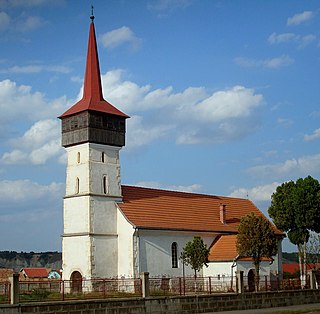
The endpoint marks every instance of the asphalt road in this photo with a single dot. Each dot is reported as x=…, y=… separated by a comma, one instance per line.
x=311, y=308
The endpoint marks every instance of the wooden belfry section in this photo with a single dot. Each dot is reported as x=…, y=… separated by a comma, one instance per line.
x=93, y=119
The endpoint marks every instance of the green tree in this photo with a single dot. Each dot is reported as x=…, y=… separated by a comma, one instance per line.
x=256, y=239
x=195, y=254
x=313, y=250
x=295, y=209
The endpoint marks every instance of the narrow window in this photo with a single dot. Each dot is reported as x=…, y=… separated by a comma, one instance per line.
x=103, y=157
x=174, y=254
x=77, y=185
x=78, y=157
x=105, y=185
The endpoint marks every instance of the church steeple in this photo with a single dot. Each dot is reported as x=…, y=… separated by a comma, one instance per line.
x=92, y=82
x=93, y=112
x=93, y=133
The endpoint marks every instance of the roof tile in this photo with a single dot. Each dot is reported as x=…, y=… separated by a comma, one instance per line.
x=163, y=209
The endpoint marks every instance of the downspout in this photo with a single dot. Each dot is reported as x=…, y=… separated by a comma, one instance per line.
x=136, y=245
x=234, y=264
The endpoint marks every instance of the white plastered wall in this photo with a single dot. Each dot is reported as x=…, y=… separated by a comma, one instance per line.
x=126, y=256
x=155, y=251
x=90, y=241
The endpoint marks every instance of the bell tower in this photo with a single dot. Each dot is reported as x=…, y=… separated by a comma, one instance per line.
x=93, y=132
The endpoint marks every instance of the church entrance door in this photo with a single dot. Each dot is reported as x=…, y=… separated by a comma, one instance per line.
x=251, y=284
x=76, y=282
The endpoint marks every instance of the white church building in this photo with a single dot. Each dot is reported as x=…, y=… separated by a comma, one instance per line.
x=113, y=230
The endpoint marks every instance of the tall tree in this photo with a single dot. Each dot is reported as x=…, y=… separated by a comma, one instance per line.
x=256, y=239
x=295, y=209
x=313, y=251
x=195, y=254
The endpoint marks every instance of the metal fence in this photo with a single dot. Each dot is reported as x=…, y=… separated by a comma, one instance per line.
x=5, y=291
x=190, y=285
x=54, y=290
x=268, y=283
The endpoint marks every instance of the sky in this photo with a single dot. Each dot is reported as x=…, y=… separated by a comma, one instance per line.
x=223, y=97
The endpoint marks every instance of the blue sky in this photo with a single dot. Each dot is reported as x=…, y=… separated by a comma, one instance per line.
x=223, y=98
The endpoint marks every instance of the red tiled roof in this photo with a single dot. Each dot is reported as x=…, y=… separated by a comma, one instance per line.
x=292, y=268
x=35, y=272
x=92, y=91
x=224, y=249
x=161, y=209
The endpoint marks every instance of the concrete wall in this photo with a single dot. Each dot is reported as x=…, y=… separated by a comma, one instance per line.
x=170, y=305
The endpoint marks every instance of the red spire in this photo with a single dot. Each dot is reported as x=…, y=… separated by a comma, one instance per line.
x=92, y=98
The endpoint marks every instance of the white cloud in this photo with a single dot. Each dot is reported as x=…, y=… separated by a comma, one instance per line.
x=301, y=41
x=124, y=94
x=191, y=116
x=235, y=102
x=275, y=38
x=307, y=40
x=168, y=5
x=194, y=188
x=22, y=191
x=28, y=3
x=217, y=117
x=284, y=122
x=30, y=208
x=30, y=23
x=314, y=136
x=4, y=21
x=23, y=201
x=37, y=69
x=120, y=36
x=258, y=193
x=20, y=102
x=38, y=144
x=273, y=63
x=139, y=135
x=300, y=18
x=303, y=166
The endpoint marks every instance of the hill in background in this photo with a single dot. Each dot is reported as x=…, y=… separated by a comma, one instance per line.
x=53, y=260
x=16, y=261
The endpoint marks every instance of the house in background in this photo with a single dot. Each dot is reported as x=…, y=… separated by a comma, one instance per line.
x=33, y=273
x=6, y=274
x=293, y=268
x=113, y=230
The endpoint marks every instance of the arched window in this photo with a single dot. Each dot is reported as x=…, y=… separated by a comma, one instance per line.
x=105, y=185
x=174, y=254
x=78, y=157
x=77, y=185
x=103, y=157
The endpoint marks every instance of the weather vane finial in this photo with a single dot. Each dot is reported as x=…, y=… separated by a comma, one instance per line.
x=92, y=16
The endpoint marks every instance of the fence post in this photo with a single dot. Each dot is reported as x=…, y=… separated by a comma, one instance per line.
x=240, y=283
x=145, y=284
x=266, y=282
x=62, y=289
x=14, y=295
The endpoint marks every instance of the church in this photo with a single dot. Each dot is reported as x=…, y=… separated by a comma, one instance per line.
x=113, y=230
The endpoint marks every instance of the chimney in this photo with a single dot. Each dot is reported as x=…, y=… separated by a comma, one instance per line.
x=223, y=213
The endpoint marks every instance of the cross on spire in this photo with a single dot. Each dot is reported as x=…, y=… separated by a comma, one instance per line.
x=92, y=16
